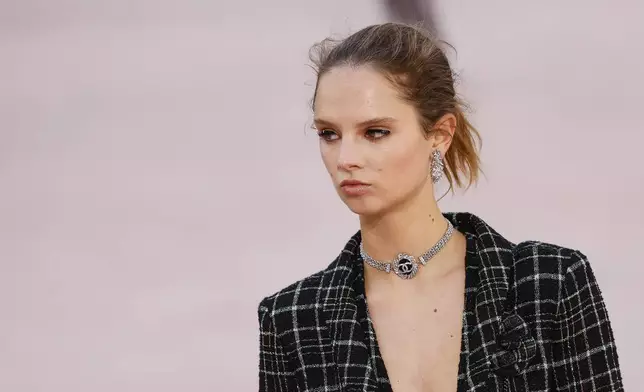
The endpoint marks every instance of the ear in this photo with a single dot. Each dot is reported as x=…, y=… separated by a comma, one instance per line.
x=443, y=133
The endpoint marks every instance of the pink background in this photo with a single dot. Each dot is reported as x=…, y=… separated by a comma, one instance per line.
x=157, y=179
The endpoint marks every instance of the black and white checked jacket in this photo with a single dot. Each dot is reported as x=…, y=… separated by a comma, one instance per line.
x=534, y=320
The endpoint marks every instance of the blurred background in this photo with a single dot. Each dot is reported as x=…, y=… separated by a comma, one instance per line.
x=158, y=178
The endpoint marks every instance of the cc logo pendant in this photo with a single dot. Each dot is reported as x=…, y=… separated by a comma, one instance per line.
x=405, y=266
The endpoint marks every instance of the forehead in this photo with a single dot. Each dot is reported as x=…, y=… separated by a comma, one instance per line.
x=358, y=93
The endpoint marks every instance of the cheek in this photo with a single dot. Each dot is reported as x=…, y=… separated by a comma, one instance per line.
x=328, y=157
x=405, y=160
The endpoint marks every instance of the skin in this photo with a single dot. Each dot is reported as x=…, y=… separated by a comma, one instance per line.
x=368, y=133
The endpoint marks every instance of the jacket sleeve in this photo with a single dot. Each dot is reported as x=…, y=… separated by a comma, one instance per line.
x=274, y=375
x=584, y=351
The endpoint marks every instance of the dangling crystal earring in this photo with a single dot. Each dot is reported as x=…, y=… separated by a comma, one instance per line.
x=437, y=166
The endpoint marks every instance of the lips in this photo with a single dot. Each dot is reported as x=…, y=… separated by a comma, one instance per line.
x=352, y=183
x=354, y=188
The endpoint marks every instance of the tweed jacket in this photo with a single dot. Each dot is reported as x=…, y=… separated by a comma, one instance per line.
x=535, y=320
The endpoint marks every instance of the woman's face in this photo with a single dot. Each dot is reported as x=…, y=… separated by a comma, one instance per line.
x=370, y=139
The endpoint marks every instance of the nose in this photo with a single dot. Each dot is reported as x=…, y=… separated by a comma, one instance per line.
x=350, y=157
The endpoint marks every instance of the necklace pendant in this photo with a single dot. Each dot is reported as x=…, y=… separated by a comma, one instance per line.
x=405, y=266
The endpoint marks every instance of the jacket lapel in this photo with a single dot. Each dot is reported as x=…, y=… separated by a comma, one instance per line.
x=495, y=258
x=354, y=367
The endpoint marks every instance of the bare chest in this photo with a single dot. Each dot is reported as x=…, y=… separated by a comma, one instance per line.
x=420, y=340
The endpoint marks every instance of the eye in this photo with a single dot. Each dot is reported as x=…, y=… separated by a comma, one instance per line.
x=377, y=133
x=327, y=135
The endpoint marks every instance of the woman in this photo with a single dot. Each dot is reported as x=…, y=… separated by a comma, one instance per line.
x=419, y=300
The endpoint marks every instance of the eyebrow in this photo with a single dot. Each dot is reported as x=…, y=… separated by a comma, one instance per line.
x=367, y=123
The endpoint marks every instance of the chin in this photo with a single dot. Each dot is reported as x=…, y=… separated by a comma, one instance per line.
x=364, y=207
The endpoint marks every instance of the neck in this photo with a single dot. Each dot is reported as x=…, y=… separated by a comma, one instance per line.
x=411, y=228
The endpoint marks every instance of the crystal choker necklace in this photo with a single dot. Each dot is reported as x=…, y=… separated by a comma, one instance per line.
x=404, y=265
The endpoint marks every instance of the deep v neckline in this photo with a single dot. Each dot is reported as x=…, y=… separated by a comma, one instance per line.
x=467, y=319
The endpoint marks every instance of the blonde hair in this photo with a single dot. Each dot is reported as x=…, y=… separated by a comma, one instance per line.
x=413, y=60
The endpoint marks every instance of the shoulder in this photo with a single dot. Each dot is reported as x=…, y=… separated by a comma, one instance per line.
x=541, y=257
x=293, y=305
x=545, y=273
x=311, y=292
x=302, y=292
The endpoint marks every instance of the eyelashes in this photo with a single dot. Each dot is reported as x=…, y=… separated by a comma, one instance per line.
x=377, y=133
x=327, y=135
x=372, y=134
